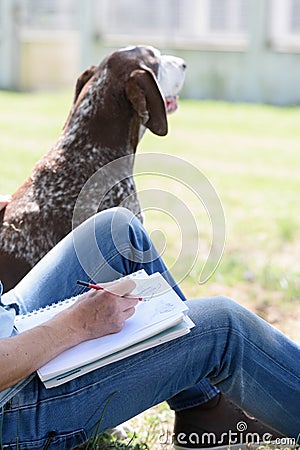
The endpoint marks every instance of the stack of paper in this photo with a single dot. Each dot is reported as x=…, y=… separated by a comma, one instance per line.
x=160, y=317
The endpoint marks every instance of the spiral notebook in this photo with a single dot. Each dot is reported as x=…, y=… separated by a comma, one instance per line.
x=160, y=317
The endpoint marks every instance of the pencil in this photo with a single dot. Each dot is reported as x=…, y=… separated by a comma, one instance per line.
x=101, y=288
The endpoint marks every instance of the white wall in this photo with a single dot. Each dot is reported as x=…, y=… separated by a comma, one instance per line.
x=243, y=50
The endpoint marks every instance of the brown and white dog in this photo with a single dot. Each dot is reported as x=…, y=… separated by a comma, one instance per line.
x=130, y=90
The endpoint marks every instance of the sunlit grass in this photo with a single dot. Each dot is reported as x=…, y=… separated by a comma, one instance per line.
x=251, y=155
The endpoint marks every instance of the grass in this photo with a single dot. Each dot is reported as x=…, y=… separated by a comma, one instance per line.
x=250, y=154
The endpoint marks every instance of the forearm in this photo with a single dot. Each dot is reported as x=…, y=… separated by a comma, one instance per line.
x=94, y=314
x=22, y=354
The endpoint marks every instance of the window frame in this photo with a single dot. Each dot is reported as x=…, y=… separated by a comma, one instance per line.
x=282, y=38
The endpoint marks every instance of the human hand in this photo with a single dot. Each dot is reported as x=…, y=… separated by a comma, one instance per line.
x=98, y=313
x=4, y=200
x=94, y=314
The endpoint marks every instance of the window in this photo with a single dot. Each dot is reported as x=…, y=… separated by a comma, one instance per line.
x=295, y=17
x=228, y=15
x=220, y=23
x=285, y=25
x=48, y=14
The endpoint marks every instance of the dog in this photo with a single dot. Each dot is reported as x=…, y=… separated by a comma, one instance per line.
x=130, y=91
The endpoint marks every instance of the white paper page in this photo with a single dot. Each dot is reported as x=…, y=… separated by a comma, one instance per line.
x=177, y=330
x=147, y=315
x=160, y=305
x=90, y=351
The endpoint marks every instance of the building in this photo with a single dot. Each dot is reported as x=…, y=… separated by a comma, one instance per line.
x=236, y=50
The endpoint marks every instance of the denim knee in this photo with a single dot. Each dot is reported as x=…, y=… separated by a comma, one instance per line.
x=127, y=232
x=124, y=243
x=119, y=232
x=216, y=312
x=116, y=222
x=225, y=308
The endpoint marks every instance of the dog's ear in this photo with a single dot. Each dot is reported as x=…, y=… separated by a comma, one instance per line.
x=80, y=83
x=143, y=92
x=82, y=80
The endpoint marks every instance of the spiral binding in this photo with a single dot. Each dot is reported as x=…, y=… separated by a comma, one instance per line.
x=45, y=309
x=63, y=303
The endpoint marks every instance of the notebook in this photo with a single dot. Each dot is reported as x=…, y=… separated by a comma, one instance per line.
x=160, y=317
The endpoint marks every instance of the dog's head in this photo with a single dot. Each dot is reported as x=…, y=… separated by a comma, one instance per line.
x=134, y=81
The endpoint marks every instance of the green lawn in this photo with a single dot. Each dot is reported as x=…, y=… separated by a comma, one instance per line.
x=250, y=154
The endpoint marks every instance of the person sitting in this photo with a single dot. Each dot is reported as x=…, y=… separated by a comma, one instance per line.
x=232, y=361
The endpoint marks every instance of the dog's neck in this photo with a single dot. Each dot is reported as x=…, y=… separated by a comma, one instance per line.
x=102, y=119
x=94, y=136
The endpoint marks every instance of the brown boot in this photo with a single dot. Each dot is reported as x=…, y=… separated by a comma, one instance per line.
x=218, y=423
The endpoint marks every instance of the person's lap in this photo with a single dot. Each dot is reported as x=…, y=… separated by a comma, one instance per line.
x=225, y=338
x=105, y=247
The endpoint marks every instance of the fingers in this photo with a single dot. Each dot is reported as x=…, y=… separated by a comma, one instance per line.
x=106, y=311
x=122, y=316
x=123, y=304
x=121, y=288
x=114, y=297
x=121, y=307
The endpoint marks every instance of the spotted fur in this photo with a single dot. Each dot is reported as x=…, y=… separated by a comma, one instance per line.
x=113, y=103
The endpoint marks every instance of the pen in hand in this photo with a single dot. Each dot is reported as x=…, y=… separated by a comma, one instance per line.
x=101, y=288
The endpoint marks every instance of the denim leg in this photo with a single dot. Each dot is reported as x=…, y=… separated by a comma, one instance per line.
x=251, y=362
x=105, y=247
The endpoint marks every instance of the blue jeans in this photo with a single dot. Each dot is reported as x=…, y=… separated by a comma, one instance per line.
x=240, y=354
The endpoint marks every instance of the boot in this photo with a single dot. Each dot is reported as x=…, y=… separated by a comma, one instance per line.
x=219, y=423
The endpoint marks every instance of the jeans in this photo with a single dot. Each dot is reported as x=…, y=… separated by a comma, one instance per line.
x=247, y=359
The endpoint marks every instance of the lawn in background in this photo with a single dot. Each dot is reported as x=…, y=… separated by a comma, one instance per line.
x=250, y=154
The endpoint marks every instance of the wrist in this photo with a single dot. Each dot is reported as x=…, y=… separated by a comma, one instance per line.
x=63, y=331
